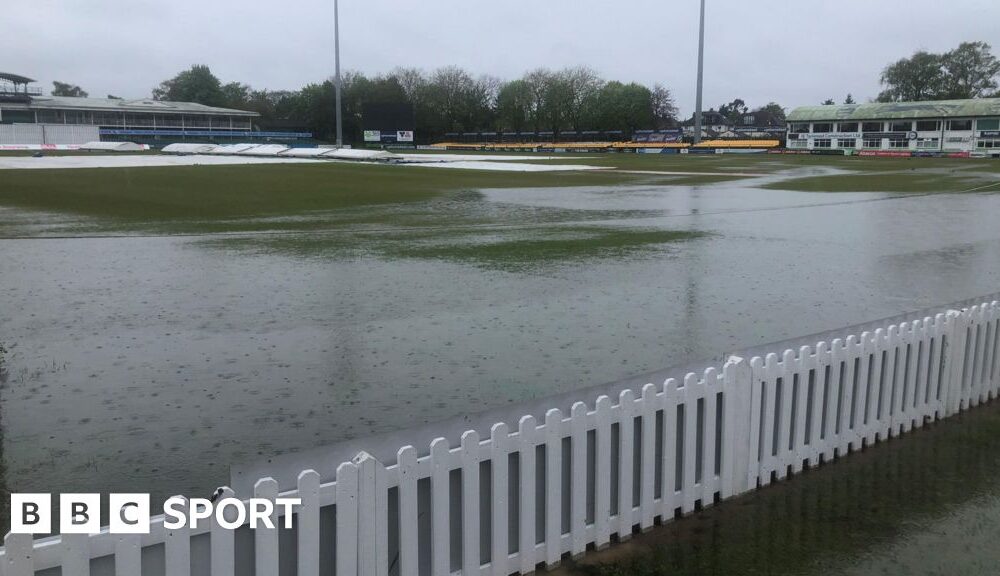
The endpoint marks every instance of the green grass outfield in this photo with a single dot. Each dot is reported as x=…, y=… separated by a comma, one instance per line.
x=408, y=211
x=193, y=197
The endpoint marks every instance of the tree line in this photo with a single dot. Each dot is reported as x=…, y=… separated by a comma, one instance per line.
x=445, y=100
x=453, y=100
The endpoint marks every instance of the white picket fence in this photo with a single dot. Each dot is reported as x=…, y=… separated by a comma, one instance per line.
x=526, y=497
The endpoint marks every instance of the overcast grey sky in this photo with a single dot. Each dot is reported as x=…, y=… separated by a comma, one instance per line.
x=795, y=52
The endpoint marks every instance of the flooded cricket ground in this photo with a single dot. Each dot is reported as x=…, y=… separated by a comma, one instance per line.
x=152, y=362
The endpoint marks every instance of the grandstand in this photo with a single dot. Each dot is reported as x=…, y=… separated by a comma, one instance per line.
x=646, y=141
x=757, y=131
x=612, y=146
x=28, y=117
x=956, y=127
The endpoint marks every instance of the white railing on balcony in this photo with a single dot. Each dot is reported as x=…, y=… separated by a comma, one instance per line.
x=525, y=497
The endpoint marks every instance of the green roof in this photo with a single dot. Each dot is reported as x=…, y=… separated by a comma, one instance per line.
x=899, y=110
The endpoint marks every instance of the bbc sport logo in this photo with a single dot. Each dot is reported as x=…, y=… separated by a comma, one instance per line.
x=129, y=513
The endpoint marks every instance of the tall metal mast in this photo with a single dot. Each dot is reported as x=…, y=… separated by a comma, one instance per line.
x=337, y=80
x=701, y=68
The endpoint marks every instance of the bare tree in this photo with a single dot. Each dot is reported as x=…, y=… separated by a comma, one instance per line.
x=582, y=84
x=538, y=83
x=664, y=107
x=413, y=81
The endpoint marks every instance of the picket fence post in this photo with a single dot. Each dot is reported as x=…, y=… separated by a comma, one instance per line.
x=223, y=556
x=373, y=512
x=266, y=539
x=737, y=388
x=308, y=524
x=177, y=549
x=954, y=361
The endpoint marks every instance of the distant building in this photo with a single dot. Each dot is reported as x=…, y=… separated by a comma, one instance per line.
x=114, y=119
x=760, y=119
x=961, y=126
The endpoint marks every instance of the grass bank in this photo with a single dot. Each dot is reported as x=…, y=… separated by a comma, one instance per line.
x=927, y=503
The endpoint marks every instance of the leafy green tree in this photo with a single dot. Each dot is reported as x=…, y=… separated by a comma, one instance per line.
x=236, y=95
x=849, y=99
x=970, y=71
x=514, y=106
x=829, y=102
x=558, y=103
x=313, y=106
x=919, y=77
x=197, y=84
x=625, y=107
x=65, y=89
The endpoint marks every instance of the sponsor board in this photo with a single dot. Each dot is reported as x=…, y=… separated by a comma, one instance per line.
x=657, y=150
x=937, y=154
x=830, y=135
x=373, y=135
x=879, y=135
x=886, y=153
x=404, y=136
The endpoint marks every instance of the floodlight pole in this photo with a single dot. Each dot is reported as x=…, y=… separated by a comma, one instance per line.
x=336, y=79
x=701, y=69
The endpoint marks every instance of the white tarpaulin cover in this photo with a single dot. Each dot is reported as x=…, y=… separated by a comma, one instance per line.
x=114, y=146
x=351, y=154
x=188, y=148
x=264, y=150
x=304, y=152
x=230, y=148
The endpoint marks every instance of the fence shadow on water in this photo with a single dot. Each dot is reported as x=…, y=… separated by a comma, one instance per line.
x=928, y=503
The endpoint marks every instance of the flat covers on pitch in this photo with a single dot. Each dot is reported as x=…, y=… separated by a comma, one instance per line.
x=352, y=154
x=113, y=146
x=264, y=150
x=188, y=148
x=304, y=152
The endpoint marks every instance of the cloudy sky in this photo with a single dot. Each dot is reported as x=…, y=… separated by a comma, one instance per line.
x=795, y=52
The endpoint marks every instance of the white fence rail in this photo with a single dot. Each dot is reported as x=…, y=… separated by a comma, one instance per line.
x=526, y=497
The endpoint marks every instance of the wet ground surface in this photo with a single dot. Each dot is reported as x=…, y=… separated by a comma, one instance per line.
x=152, y=363
x=922, y=505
